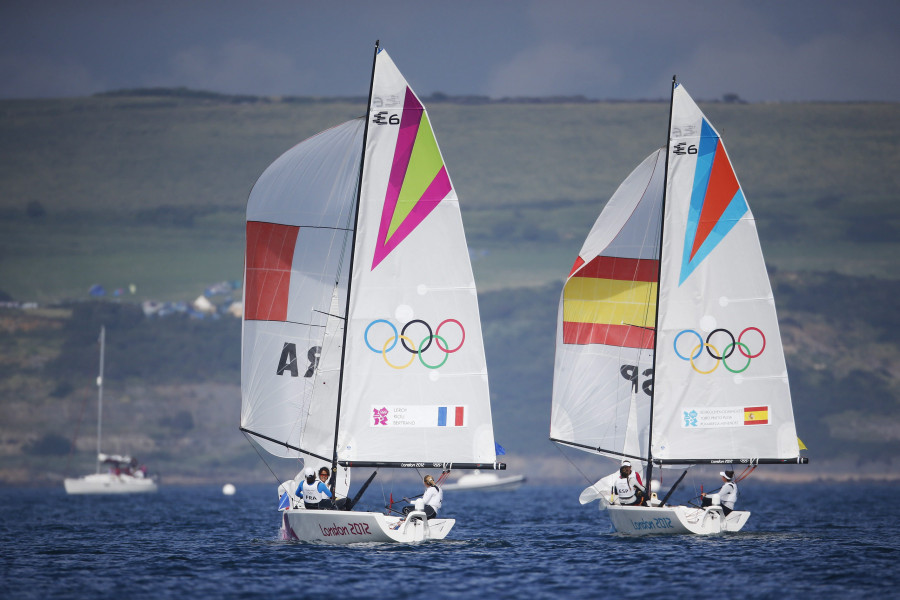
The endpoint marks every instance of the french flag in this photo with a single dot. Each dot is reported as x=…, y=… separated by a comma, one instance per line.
x=451, y=416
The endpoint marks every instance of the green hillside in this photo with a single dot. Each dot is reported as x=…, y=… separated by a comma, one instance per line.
x=149, y=189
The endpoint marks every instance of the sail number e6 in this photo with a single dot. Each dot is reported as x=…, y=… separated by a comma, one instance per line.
x=682, y=148
x=383, y=118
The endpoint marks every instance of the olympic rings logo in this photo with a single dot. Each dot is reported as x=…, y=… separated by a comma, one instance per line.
x=727, y=352
x=409, y=344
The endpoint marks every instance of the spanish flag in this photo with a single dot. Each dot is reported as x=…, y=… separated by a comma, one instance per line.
x=756, y=415
x=611, y=301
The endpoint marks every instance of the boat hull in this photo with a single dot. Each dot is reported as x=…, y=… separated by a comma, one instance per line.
x=107, y=483
x=674, y=520
x=349, y=527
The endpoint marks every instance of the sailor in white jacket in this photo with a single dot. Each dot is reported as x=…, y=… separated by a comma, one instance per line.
x=727, y=494
x=432, y=499
x=626, y=488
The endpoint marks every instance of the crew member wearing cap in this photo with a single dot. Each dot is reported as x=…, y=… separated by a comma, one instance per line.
x=628, y=490
x=315, y=494
x=728, y=493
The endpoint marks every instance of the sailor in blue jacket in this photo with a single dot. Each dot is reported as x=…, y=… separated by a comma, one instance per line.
x=315, y=493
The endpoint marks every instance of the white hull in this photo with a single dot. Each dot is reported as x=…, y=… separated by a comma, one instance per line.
x=486, y=483
x=107, y=483
x=673, y=520
x=348, y=527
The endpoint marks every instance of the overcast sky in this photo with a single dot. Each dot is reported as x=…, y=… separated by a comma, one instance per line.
x=622, y=49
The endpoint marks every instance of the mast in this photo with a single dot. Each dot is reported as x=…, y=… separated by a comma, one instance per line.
x=362, y=162
x=662, y=229
x=100, y=392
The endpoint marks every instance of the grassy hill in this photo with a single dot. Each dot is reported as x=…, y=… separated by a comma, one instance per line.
x=149, y=189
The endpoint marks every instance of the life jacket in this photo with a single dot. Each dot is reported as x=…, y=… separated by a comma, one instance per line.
x=434, y=499
x=623, y=489
x=311, y=494
x=728, y=495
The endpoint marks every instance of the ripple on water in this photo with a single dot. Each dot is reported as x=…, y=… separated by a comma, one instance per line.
x=193, y=542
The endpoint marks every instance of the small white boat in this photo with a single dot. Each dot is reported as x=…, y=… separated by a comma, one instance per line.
x=668, y=349
x=123, y=474
x=362, y=343
x=485, y=482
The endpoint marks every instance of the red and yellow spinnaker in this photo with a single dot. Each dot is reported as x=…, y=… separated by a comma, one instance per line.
x=611, y=301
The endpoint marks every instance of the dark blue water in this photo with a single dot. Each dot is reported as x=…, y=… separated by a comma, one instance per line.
x=819, y=540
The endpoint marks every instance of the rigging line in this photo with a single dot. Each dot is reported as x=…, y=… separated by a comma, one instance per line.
x=298, y=226
x=285, y=444
x=287, y=321
x=348, y=230
x=330, y=315
x=249, y=441
x=745, y=474
x=571, y=462
x=600, y=451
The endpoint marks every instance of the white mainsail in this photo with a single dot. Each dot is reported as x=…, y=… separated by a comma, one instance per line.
x=410, y=383
x=721, y=380
x=415, y=376
x=718, y=388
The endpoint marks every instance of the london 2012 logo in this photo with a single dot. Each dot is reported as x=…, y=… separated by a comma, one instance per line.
x=431, y=339
x=757, y=341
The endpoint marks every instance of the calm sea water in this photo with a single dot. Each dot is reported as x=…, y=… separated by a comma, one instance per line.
x=821, y=540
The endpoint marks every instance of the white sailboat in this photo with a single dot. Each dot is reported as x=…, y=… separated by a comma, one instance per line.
x=485, y=482
x=362, y=342
x=668, y=350
x=122, y=474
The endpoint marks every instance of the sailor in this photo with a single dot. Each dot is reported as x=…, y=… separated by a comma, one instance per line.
x=327, y=478
x=315, y=494
x=626, y=487
x=432, y=499
x=728, y=493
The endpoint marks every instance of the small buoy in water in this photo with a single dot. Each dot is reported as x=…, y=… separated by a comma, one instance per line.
x=228, y=489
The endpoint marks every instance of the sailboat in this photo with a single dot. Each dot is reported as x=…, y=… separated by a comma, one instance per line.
x=361, y=343
x=668, y=352
x=485, y=482
x=123, y=474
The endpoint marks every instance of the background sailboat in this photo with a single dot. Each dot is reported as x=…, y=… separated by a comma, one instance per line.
x=668, y=348
x=121, y=474
x=362, y=339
